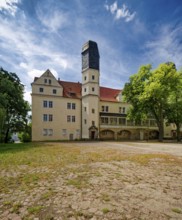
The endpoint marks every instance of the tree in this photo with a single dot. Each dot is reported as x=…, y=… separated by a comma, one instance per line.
x=148, y=92
x=14, y=107
x=174, y=111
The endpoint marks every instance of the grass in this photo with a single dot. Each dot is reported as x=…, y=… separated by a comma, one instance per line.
x=177, y=210
x=35, y=209
x=105, y=210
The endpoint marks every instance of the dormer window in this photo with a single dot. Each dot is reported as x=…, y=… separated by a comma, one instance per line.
x=45, y=80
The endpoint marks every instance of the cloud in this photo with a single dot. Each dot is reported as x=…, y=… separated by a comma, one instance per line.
x=9, y=6
x=166, y=46
x=120, y=13
x=54, y=20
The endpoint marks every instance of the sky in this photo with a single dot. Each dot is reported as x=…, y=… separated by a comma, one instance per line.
x=36, y=35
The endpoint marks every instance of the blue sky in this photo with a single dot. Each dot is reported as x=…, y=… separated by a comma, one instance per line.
x=36, y=35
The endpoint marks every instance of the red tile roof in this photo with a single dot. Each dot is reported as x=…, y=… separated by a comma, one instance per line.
x=108, y=94
x=73, y=90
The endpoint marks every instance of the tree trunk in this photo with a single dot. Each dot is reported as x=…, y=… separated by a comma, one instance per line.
x=178, y=132
x=6, y=136
x=161, y=132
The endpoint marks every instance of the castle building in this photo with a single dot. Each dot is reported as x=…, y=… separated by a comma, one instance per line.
x=71, y=110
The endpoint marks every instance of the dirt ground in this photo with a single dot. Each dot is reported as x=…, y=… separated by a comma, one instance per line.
x=145, y=185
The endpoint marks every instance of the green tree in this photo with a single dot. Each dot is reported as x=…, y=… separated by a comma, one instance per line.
x=148, y=92
x=15, y=108
x=174, y=111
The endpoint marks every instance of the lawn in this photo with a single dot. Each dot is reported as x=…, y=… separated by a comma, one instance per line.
x=72, y=181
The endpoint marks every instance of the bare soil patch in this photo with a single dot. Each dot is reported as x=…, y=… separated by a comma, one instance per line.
x=97, y=181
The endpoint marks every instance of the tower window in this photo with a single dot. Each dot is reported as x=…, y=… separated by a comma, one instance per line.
x=41, y=90
x=85, y=78
x=93, y=110
x=85, y=121
x=85, y=89
x=93, y=89
x=85, y=109
x=93, y=77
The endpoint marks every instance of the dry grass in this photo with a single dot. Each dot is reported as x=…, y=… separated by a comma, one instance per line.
x=25, y=167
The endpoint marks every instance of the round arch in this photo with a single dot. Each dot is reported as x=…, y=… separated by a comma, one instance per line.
x=124, y=135
x=107, y=134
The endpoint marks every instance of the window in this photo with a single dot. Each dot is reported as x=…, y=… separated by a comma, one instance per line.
x=122, y=121
x=93, y=89
x=93, y=123
x=50, y=132
x=45, y=118
x=45, y=132
x=113, y=121
x=49, y=81
x=85, y=78
x=122, y=110
x=77, y=132
x=73, y=106
x=104, y=120
x=68, y=118
x=68, y=105
x=64, y=132
x=85, y=109
x=50, y=104
x=45, y=104
x=50, y=117
x=85, y=89
x=93, y=77
x=85, y=121
x=45, y=80
x=73, y=118
x=54, y=91
x=105, y=108
x=93, y=111
x=41, y=89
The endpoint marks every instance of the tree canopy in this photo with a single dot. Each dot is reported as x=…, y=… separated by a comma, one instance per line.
x=13, y=107
x=150, y=91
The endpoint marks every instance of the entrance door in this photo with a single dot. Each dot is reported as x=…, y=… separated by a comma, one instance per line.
x=92, y=135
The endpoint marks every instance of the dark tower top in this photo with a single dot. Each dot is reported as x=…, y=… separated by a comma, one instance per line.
x=90, y=56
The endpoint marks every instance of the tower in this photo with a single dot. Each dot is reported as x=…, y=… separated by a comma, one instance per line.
x=90, y=90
